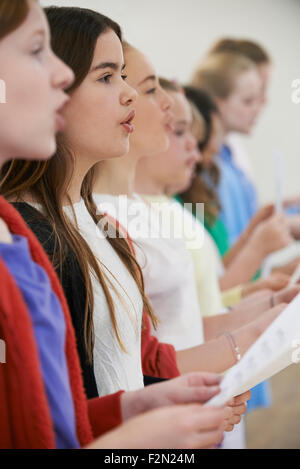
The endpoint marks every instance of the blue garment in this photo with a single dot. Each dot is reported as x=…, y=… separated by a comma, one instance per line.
x=49, y=331
x=237, y=195
x=238, y=199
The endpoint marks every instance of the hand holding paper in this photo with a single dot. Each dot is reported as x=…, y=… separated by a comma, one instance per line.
x=277, y=348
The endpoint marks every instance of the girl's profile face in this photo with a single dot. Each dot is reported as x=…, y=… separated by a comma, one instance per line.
x=100, y=114
x=175, y=167
x=34, y=79
x=153, y=118
x=240, y=110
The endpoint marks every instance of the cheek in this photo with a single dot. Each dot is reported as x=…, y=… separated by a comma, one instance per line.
x=92, y=117
x=149, y=119
x=176, y=152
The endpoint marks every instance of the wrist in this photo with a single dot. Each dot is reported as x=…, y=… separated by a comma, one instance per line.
x=257, y=248
x=133, y=403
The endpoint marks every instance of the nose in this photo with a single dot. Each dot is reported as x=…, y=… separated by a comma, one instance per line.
x=63, y=76
x=166, y=100
x=128, y=95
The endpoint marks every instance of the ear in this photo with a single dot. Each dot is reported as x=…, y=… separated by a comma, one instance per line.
x=222, y=106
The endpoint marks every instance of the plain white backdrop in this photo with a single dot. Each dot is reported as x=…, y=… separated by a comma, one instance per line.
x=176, y=34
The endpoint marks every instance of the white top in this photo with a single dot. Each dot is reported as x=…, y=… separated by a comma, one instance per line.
x=167, y=267
x=114, y=369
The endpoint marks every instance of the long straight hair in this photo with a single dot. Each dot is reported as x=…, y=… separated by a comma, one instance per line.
x=75, y=32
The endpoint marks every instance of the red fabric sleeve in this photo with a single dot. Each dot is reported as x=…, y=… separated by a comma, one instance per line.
x=105, y=413
x=158, y=359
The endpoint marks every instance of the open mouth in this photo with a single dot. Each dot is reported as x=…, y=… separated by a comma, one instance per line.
x=127, y=123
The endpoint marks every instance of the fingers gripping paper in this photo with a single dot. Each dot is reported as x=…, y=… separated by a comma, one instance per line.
x=277, y=348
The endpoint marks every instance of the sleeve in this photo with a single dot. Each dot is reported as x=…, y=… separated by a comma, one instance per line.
x=158, y=359
x=105, y=413
x=232, y=297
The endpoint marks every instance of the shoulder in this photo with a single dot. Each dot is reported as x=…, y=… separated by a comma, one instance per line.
x=39, y=225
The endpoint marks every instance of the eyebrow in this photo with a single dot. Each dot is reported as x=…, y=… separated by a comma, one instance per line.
x=103, y=65
x=39, y=32
x=182, y=122
x=150, y=77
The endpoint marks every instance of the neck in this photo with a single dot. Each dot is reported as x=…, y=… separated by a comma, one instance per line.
x=116, y=176
x=82, y=164
x=144, y=182
x=74, y=188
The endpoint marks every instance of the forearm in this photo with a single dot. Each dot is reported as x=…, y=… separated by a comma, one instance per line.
x=242, y=268
x=245, y=312
x=235, y=249
x=294, y=226
x=214, y=356
x=217, y=355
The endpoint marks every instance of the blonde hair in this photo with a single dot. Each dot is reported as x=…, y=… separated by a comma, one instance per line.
x=218, y=73
x=250, y=49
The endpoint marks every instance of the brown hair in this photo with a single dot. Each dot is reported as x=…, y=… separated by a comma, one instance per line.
x=12, y=14
x=74, y=35
x=200, y=190
x=250, y=49
x=217, y=74
x=198, y=123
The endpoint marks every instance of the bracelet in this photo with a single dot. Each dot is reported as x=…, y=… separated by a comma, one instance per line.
x=234, y=347
x=272, y=301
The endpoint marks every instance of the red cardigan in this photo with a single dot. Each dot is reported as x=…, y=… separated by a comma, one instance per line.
x=25, y=420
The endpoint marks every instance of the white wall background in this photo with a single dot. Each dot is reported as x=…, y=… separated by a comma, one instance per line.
x=175, y=34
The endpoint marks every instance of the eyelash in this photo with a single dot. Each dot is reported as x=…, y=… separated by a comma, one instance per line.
x=179, y=133
x=38, y=51
x=107, y=78
x=152, y=91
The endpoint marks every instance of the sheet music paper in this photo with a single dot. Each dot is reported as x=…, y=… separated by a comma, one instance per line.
x=296, y=276
x=277, y=348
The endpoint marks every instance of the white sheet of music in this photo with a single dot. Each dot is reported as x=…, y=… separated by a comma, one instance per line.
x=277, y=348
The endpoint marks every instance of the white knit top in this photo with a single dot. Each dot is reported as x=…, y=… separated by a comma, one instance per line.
x=114, y=369
x=167, y=266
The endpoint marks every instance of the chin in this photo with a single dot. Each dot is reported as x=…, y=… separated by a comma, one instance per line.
x=42, y=153
x=120, y=152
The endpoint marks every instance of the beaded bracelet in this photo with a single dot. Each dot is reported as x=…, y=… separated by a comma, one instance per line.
x=234, y=347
